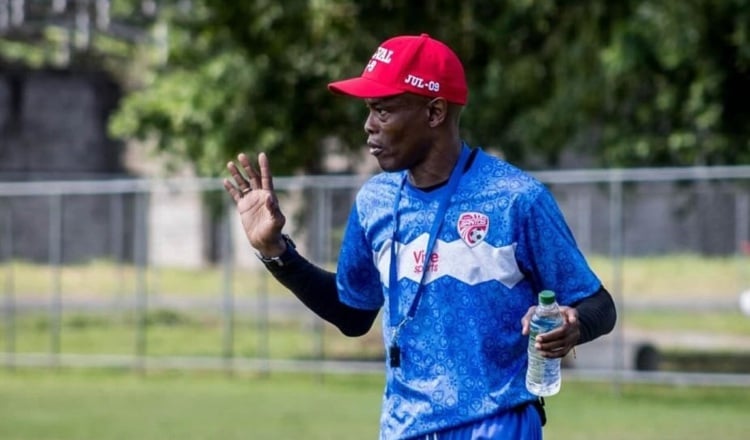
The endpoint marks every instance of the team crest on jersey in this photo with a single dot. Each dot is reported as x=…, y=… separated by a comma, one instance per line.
x=472, y=227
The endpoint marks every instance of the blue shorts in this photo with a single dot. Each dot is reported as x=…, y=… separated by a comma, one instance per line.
x=523, y=423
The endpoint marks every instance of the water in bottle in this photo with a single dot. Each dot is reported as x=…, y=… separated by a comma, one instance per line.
x=543, y=374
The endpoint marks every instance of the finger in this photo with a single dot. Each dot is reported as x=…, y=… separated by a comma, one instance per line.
x=556, y=344
x=240, y=182
x=549, y=344
x=266, y=180
x=554, y=335
x=559, y=352
x=552, y=349
x=232, y=190
x=252, y=175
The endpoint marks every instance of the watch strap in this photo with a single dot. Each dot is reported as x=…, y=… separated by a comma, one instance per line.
x=283, y=259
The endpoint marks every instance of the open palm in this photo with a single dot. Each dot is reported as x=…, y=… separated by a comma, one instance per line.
x=256, y=201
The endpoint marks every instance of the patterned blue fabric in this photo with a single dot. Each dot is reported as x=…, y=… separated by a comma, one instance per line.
x=463, y=356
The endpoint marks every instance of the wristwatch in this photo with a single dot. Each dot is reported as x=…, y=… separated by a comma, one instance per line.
x=282, y=259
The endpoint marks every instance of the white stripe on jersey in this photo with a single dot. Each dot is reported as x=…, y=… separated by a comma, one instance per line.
x=471, y=265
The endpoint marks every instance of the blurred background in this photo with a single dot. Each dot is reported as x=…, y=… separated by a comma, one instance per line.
x=119, y=248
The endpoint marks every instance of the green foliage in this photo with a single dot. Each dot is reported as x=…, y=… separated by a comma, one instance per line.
x=246, y=76
x=677, y=76
x=630, y=83
x=636, y=83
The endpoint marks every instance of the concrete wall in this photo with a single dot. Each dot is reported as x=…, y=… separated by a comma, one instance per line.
x=708, y=218
x=53, y=124
x=52, y=128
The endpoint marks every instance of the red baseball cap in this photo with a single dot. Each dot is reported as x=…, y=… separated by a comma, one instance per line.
x=413, y=64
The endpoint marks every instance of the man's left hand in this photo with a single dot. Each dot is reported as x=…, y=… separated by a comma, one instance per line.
x=558, y=342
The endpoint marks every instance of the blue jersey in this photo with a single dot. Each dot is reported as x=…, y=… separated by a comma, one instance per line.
x=503, y=239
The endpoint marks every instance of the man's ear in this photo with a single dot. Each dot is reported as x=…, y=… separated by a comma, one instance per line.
x=438, y=111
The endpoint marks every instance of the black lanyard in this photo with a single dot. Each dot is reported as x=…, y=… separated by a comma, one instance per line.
x=453, y=182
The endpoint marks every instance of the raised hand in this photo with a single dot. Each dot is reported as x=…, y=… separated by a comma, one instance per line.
x=256, y=201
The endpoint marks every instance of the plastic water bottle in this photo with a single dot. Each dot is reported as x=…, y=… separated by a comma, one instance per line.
x=543, y=374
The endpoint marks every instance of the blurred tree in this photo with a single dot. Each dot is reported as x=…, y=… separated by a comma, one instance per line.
x=677, y=77
x=629, y=83
x=249, y=76
x=635, y=83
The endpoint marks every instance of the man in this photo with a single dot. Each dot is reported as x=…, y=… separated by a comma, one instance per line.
x=452, y=243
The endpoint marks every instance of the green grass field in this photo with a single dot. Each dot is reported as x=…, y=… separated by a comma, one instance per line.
x=643, y=278
x=43, y=404
x=202, y=332
x=77, y=405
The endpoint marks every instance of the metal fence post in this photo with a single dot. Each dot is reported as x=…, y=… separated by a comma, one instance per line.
x=583, y=221
x=141, y=285
x=227, y=293
x=321, y=245
x=117, y=232
x=9, y=287
x=55, y=261
x=262, y=326
x=742, y=234
x=616, y=255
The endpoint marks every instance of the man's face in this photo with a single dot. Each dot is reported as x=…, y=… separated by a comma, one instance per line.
x=398, y=130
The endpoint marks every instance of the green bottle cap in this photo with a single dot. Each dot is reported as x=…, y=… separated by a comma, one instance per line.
x=546, y=297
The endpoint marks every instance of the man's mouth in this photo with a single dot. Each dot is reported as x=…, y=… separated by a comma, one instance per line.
x=375, y=150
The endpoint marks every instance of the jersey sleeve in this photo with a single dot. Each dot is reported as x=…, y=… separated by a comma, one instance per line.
x=549, y=254
x=357, y=277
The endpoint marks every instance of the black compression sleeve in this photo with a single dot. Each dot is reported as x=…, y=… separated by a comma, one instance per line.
x=596, y=314
x=316, y=288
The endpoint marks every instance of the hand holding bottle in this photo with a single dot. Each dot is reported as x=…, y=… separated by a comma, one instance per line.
x=558, y=342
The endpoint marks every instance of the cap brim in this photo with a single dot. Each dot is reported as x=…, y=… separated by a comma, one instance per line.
x=363, y=88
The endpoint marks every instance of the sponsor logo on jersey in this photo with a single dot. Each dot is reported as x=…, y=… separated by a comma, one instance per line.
x=472, y=227
x=419, y=261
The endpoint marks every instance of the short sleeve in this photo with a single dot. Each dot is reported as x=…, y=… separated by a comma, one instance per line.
x=357, y=277
x=549, y=254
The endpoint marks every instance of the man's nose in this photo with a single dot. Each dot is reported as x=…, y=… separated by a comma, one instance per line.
x=370, y=127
